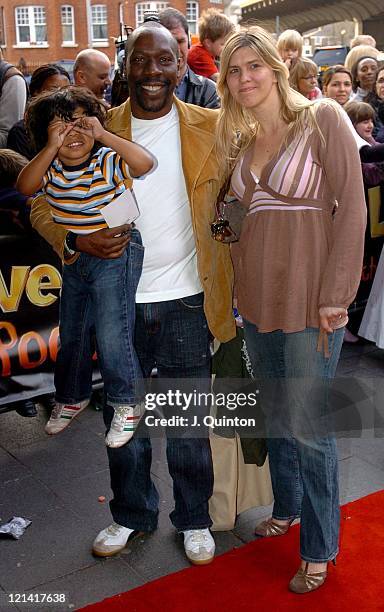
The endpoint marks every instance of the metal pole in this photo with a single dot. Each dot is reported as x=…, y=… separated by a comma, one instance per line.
x=277, y=27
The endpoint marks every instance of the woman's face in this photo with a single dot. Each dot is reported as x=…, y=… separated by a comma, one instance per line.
x=366, y=73
x=364, y=128
x=339, y=87
x=55, y=81
x=307, y=84
x=249, y=80
x=380, y=84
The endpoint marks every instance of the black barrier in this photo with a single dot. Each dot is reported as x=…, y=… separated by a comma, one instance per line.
x=30, y=283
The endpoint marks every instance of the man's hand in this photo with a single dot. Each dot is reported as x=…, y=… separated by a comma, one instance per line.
x=332, y=318
x=106, y=243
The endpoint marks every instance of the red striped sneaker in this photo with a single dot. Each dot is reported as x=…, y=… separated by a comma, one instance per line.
x=62, y=415
x=123, y=425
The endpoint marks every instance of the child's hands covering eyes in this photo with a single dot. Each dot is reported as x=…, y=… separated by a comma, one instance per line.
x=57, y=131
x=90, y=126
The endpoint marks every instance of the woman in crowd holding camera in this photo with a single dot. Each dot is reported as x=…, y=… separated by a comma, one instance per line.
x=297, y=268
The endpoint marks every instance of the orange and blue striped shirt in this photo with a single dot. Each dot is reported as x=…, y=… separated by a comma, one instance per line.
x=76, y=194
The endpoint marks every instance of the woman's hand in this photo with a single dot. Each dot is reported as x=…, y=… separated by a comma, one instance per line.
x=57, y=131
x=90, y=126
x=332, y=317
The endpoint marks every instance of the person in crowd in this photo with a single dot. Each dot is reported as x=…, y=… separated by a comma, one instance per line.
x=337, y=84
x=297, y=268
x=13, y=97
x=363, y=39
x=357, y=52
x=79, y=178
x=290, y=47
x=191, y=88
x=376, y=99
x=362, y=117
x=92, y=70
x=303, y=78
x=214, y=27
x=184, y=294
x=363, y=77
x=45, y=78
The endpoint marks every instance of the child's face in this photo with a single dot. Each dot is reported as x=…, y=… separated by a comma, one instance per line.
x=364, y=128
x=215, y=48
x=76, y=146
x=289, y=53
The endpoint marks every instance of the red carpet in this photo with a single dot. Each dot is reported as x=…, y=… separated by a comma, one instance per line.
x=255, y=576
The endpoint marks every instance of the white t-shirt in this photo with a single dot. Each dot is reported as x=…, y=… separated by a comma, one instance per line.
x=165, y=222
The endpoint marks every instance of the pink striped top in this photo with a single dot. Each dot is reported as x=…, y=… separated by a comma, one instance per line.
x=295, y=254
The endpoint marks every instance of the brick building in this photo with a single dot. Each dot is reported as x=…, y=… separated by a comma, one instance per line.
x=35, y=32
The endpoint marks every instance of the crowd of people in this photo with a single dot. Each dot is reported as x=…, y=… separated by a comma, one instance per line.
x=238, y=108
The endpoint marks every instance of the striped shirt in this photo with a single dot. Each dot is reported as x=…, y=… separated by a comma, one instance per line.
x=76, y=194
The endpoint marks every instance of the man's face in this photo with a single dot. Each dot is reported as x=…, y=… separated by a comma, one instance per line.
x=152, y=75
x=182, y=40
x=96, y=76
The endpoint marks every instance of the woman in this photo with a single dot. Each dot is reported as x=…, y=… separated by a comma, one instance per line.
x=337, y=84
x=45, y=78
x=297, y=267
x=303, y=78
x=363, y=77
x=376, y=99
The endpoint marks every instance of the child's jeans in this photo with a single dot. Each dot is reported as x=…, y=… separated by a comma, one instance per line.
x=100, y=293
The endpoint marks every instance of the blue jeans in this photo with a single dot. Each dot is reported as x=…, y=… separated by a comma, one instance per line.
x=294, y=379
x=174, y=337
x=100, y=293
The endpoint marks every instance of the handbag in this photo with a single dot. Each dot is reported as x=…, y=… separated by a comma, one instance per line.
x=230, y=214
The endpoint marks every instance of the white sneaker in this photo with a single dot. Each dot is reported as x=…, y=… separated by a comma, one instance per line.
x=112, y=540
x=62, y=415
x=199, y=546
x=123, y=425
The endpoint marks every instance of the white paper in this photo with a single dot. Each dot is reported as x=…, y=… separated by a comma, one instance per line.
x=123, y=209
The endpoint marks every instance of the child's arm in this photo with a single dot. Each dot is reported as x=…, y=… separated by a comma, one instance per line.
x=30, y=178
x=138, y=159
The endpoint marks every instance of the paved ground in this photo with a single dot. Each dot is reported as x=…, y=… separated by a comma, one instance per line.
x=56, y=482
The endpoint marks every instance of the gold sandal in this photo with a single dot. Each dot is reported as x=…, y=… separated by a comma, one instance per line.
x=304, y=582
x=269, y=528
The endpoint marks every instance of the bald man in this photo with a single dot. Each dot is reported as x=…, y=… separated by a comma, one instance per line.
x=91, y=70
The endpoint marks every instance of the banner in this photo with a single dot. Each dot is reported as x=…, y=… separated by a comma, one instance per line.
x=30, y=283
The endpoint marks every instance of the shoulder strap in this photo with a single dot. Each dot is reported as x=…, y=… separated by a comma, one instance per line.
x=6, y=72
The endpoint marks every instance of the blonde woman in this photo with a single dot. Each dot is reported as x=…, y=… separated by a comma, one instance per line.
x=297, y=268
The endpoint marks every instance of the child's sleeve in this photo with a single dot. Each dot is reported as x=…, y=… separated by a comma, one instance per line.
x=116, y=170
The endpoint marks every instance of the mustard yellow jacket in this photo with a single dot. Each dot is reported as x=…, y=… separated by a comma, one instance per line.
x=202, y=179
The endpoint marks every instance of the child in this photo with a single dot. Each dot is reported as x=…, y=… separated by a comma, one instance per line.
x=13, y=205
x=214, y=27
x=80, y=168
x=290, y=47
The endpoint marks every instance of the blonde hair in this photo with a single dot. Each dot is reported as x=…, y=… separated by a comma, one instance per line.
x=356, y=53
x=363, y=39
x=213, y=25
x=290, y=39
x=303, y=67
x=237, y=125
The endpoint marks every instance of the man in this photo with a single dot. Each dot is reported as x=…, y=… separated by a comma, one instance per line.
x=185, y=289
x=190, y=87
x=13, y=97
x=92, y=69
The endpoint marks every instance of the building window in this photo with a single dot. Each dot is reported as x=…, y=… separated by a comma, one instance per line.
x=31, y=26
x=142, y=7
x=67, y=24
x=192, y=16
x=2, y=27
x=99, y=23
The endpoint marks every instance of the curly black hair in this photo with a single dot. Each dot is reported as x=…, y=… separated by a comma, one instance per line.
x=60, y=103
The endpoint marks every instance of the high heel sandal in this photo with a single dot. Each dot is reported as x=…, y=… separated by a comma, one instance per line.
x=269, y=528
x=305, y=582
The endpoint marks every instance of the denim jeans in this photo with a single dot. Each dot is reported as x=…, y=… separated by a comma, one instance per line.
x=100, y=293
x=173, y=336
x=302, y=451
